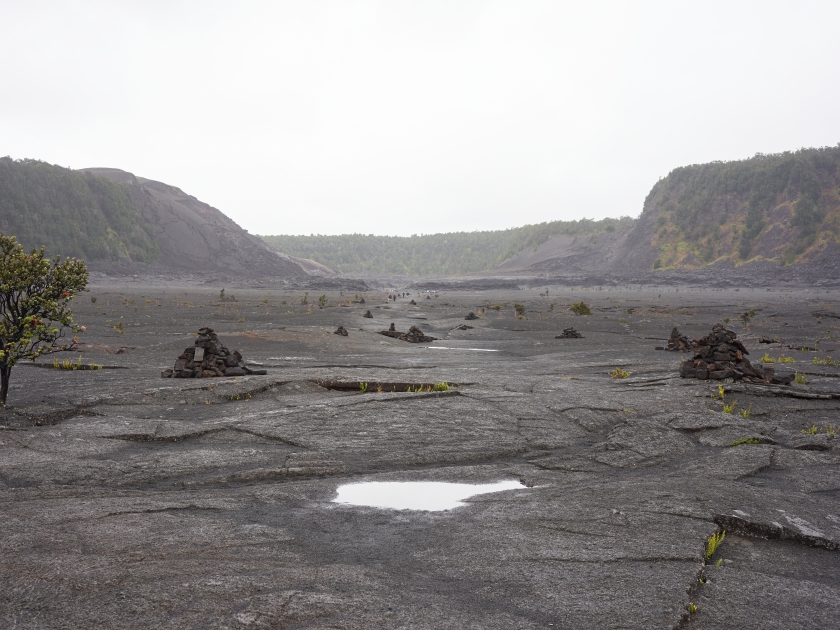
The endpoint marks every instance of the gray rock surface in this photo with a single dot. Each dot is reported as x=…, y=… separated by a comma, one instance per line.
x=132, y=502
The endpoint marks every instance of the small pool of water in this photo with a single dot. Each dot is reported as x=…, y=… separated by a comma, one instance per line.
x=431, y=496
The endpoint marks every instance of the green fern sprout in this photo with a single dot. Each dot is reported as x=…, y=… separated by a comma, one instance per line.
x=730, y=408
x=746, y=413
x=714, y=542
x=800, y=379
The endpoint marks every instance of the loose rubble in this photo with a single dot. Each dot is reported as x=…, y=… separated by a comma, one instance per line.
x=569, y=333
x=414, y=335
x=719, y=355
x=208, y=358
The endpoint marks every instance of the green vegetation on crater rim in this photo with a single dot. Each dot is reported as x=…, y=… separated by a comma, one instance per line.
x=429, y=254
x=72, y=213
x=783, y=207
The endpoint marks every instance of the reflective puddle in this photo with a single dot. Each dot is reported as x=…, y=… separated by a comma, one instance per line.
x=432, y=496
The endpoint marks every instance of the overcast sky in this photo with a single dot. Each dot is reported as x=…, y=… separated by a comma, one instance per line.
x=414, y=117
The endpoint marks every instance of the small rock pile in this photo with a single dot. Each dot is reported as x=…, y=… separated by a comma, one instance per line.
x=569, y=333
x=719, y=355
x=368, y=315
x=208, y=358
x=341, y=330
x=413, y=303
x=471, y=316
x=414, y=335
x=678, y=342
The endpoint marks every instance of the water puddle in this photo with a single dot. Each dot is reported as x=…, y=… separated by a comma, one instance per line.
x=431, y=496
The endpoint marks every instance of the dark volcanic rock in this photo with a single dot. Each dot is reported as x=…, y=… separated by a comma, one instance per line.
x=569, y=333
x=369, y=315
x=341, y=330
x=471, y=316
x=207, y=358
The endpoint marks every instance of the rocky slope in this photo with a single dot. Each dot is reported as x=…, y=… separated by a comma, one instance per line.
x=196, y=237
x=778, y=214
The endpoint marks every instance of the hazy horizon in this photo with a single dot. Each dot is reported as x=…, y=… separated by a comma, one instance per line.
x=398, y=118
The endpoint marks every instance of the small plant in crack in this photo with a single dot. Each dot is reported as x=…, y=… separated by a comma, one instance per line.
x=746, y=413
x=713, y=543
x=730, y=408
x=721, y=393
x=441, y=387
x=745, y=441
x=363, y=387
x=800, y=379
x=619, y=373
x=691, y=608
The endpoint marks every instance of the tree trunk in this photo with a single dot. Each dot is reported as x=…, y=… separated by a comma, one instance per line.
x=5, y=373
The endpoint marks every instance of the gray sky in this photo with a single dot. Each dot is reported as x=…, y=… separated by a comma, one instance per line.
x=414, y=117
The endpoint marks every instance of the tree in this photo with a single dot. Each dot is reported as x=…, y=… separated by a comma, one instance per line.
x=34, y=296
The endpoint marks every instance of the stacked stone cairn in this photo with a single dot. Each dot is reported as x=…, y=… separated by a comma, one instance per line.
x=471, y=316
x=208, y=358
x=719, y=355
x=414, y=335
x=569, y=333
x=678, y=342
x=369, y=315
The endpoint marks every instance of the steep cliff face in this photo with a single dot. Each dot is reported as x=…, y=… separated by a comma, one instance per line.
x=193, y=236
x=773, y=210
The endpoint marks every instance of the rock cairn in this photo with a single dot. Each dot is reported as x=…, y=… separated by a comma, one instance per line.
x=413, y=303
x=414, y=335
x=471, y=316
x=719, y=355
x=392, y=328
x=208, y=358
x=368, y=315
x=569, y=333
x=678, y=342
x=341, y=330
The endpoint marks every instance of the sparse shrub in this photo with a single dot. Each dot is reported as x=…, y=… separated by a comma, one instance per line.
x=730, y=408
x=322, y=301
x=119, y=327
x=827, y=361
x=619, y=373
x=93, y=299
x=784, y=359
x=580, y=308
x=304, y=299
x=767, y=358
x=520, y=310
x=222, y=295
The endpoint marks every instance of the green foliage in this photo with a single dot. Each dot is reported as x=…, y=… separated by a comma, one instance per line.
x=723, y=208
x=34, y=296
x=322, y=301
x=767, y=358
x=441, y=387
x=713, y=543
x=692, y=608
x=828, y=429
x=520, y=310
x=827, y=361
x=746, y=441
x=363, y=387
x=746, y=413
x=430, y=254
x=784, y=359
x=800, y=379
x=580, y=308
x=619, y=373
x=730, y=408
x=72, y=213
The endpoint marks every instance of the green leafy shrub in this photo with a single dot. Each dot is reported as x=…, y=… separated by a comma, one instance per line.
x=580, y=308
